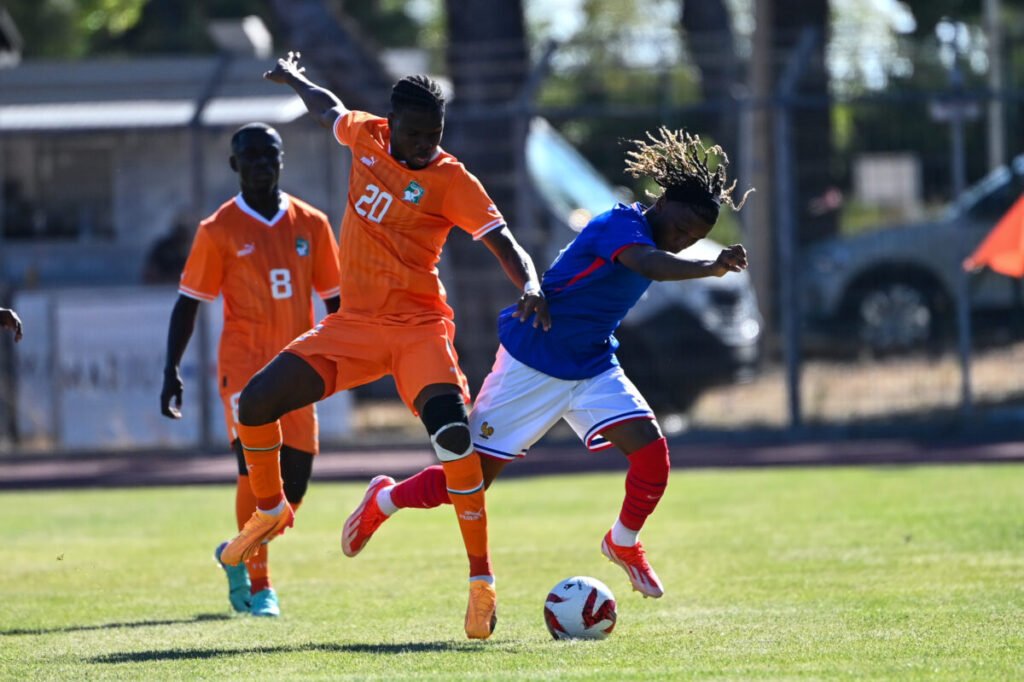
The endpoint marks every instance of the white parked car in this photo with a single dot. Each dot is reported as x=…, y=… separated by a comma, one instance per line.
x=893, y=289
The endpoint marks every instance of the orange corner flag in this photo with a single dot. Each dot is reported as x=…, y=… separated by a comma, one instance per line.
x=1003, y=249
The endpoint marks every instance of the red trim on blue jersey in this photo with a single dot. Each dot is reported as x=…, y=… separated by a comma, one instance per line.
x=589, y=270
x=615, y=256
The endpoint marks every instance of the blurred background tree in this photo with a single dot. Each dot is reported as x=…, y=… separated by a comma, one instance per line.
x=60, y=29
x=629, y=65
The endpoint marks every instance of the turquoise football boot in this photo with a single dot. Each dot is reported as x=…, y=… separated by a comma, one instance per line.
x=264, y=603
x=238, y=582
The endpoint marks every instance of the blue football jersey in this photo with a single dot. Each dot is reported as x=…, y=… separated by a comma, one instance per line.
x=588, y=293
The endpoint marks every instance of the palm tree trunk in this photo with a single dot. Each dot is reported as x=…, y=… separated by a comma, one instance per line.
x=345, y=60
x=812, y=123
x=713, y=49
x=488, y=60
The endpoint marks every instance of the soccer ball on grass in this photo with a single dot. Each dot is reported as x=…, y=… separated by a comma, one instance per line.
x=580, y=608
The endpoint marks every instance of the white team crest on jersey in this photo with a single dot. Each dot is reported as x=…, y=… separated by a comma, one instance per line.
x=368, y=160
x=246, y=250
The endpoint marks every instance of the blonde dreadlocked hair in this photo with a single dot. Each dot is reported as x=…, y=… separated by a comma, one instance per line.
x=679, y=163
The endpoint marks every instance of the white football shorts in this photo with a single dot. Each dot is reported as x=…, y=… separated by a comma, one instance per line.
x=517, y=405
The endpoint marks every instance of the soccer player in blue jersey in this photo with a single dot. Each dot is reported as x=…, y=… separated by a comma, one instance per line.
x=570, y=370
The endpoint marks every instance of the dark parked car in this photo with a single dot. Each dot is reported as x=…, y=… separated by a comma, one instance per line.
x=682, y=337
x=893, y=289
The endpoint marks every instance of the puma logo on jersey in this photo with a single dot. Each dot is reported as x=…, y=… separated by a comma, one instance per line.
x=368, y=160
x=246, y=250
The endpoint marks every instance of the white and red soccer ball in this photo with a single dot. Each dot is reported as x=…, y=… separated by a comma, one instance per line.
x=580, y=608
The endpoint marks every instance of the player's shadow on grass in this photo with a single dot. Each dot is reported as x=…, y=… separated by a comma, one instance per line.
x=378, y=649
x=200, y=618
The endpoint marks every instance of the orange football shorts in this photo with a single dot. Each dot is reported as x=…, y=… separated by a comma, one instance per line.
x=299, y=428
x=350, y=350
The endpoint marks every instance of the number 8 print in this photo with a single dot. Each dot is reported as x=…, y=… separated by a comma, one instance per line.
x=280, y=283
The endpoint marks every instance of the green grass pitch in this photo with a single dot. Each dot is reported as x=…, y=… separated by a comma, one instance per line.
x=827, y=573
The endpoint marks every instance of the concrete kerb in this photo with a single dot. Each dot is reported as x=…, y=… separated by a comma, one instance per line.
x=156, y=468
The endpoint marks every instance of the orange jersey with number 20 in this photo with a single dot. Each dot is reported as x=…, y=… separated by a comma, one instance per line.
x=397, y=221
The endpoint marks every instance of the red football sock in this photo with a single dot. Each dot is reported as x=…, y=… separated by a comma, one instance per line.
x=423, y=490
x=645, y=483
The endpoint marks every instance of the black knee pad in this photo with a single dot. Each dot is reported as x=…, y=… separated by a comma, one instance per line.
x=296, y=470
x=447, y=423
x=243, y=469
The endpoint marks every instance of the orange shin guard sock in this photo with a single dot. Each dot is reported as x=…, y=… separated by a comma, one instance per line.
x=257, y=565
x=465, y=483
x=259, y=569
x=245, y=501
x=261, y=446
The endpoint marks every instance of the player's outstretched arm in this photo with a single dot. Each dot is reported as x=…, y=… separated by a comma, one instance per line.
x=662, y=266
x=322, y=104
x=10, y=320
x=519, y=267
x=183, y=322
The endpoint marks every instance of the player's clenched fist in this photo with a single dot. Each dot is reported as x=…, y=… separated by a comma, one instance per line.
x=732, y=259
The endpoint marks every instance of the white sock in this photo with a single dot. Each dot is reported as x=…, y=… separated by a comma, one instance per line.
x=276, y=510
x=384, y=501
x=622, y=536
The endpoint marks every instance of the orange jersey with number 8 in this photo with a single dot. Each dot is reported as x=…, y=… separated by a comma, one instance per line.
x=396, y=223
x=267, y=271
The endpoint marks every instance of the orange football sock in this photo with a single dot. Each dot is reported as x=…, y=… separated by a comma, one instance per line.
x=245, y=501
x=258, y=564
x=261, y=446
x=465, y=481
x=259, y=569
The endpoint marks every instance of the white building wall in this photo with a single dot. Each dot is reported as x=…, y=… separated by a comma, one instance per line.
x=152, y=188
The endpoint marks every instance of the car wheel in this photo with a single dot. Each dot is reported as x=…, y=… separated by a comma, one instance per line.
x=896, y=316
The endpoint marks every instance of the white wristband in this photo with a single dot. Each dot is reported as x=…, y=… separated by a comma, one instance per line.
x=533, y=290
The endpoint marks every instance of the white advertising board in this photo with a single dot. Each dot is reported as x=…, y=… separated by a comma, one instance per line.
x=91, y=367
x=109, y=372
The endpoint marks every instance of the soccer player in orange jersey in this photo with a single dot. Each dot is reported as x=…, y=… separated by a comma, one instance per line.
x=266, y=252
x=404, y=196
x=10, y=320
